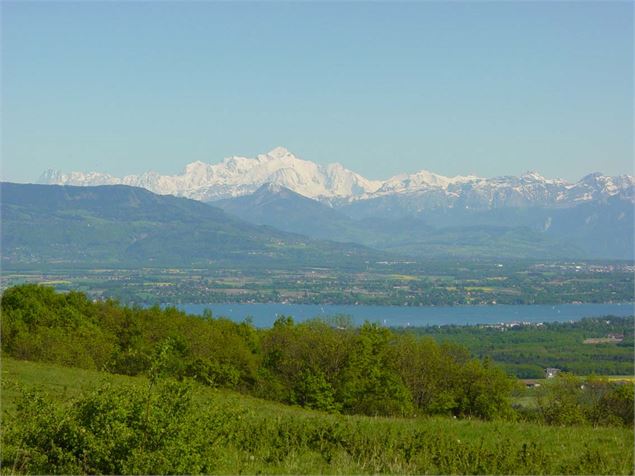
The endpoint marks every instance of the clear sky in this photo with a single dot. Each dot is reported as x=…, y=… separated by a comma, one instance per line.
x=486, y=88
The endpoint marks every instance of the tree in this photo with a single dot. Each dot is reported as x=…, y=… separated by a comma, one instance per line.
x=559, y=400
x=370, y=383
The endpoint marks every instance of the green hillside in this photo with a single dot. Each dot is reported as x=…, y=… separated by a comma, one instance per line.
x=121, y=225
x=166, y=392
x=82, y=421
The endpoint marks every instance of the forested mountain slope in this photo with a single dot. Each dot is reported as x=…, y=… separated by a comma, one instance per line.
x=125, y=225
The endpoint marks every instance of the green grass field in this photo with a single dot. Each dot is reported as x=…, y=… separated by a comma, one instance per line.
x=259, y=436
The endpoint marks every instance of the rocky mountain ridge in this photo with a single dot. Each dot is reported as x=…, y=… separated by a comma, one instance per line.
x=338, y=186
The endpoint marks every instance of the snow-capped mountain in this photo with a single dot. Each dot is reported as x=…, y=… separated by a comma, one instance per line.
x=419, y=214
x=340, y=187
x=236, y=176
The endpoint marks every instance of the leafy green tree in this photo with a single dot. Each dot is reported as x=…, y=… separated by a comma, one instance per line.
x=312, y=390
x=370, y=384
x=213, y=373
x=484, y=390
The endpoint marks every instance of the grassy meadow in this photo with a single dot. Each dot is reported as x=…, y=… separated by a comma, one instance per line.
x=198, y=429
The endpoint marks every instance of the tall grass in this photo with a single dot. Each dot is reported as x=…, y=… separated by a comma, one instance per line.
x=89, y=422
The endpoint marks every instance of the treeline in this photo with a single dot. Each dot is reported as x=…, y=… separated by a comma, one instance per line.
x=525, y=351
x=329, y=366
x=367, y=370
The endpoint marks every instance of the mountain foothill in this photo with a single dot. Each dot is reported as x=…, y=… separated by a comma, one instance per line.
x=277, y=207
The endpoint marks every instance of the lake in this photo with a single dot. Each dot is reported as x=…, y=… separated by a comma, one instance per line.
x=263, y=315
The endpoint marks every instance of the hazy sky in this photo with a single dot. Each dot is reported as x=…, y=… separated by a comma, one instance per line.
x=483, y=87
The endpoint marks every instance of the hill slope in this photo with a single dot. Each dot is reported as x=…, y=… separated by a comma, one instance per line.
x=240, y=434
x=286, y=210
x=514, y=233
x=132, y=226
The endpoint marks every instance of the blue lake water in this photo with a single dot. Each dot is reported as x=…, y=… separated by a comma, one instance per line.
x=263, y=315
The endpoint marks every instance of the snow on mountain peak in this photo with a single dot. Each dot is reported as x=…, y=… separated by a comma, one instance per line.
x=280, y=168
x=421, y=180
x=50, y=176
x=279, y=152
x=235, y=176
x=272, y=188
x=195, y=167
x=592, y=177
x=533, y=175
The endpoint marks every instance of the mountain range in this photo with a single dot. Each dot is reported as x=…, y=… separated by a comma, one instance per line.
x=421, y=214
x=236, y=176
x=336, y=185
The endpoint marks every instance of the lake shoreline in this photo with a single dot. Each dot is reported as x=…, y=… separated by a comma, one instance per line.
x=264, y=315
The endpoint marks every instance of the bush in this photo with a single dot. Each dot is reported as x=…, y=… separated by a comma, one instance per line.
x=113, y=430
x=161, y=429
x=569, y=400
x=213, y=374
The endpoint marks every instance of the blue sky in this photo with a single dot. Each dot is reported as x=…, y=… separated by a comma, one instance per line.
x=484, y=87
